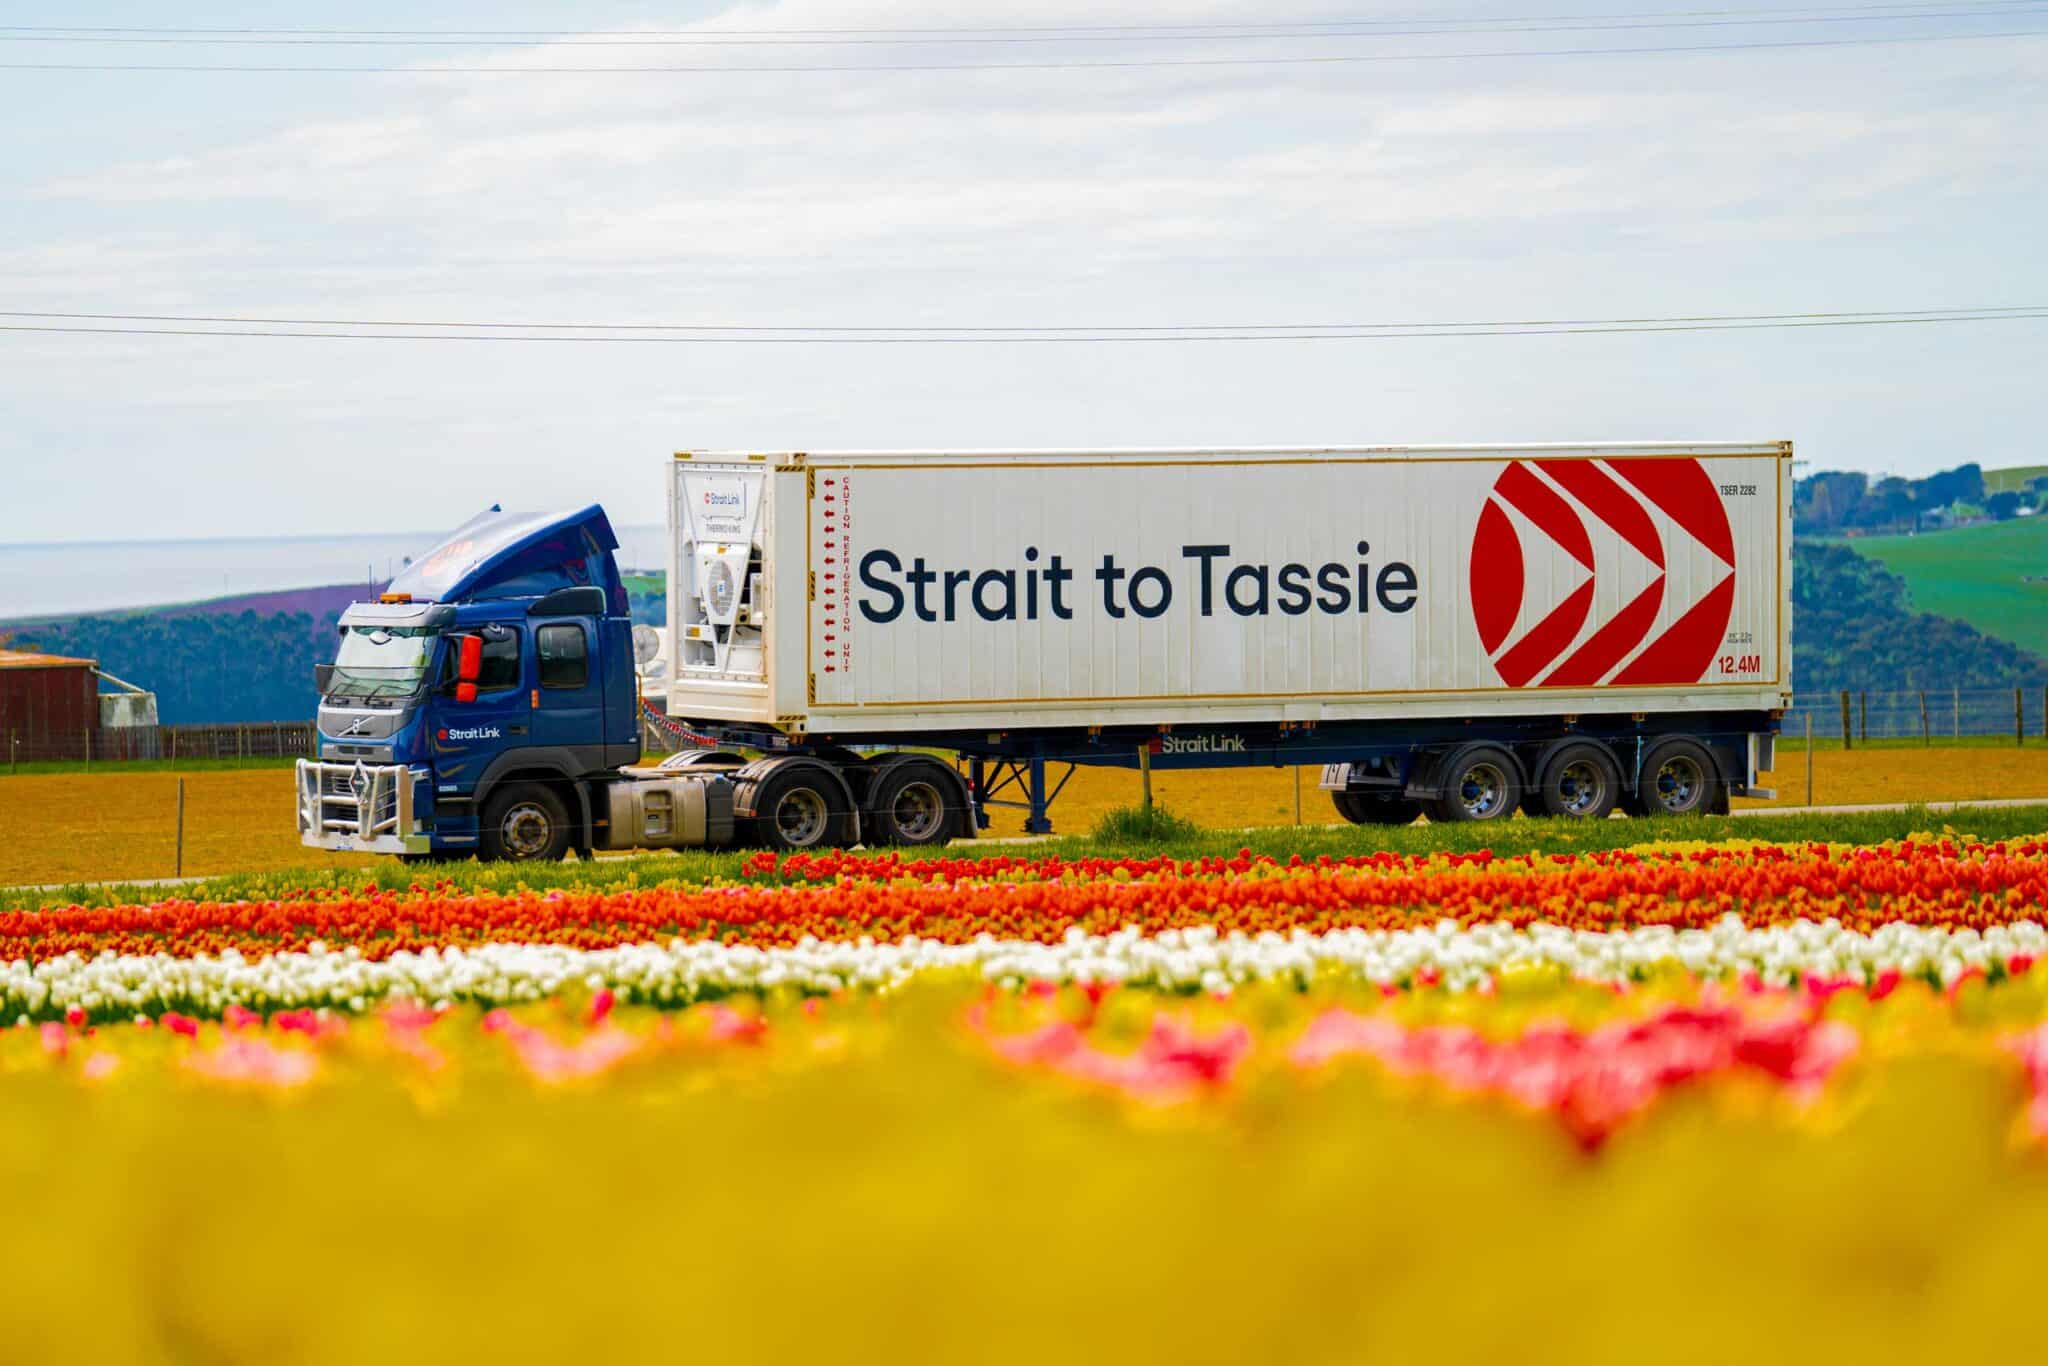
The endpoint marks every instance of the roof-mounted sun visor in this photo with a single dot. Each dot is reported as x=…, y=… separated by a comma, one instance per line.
x=516, y=555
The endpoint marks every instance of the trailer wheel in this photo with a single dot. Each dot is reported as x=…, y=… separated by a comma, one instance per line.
x=1679, y=778
x=799, y=808
x=1580, y=780
x=524, y=822
x=913, y=804
x=1375, y=808
x=1478, y=783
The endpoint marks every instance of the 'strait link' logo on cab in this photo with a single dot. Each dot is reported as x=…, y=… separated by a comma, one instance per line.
x=1532, y=602
x=445, y=734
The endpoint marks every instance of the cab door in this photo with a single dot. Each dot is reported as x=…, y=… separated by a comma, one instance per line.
x=467, y=736
x=568, y=695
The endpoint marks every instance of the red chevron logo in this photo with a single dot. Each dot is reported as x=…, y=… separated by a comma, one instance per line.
x=1535, y=573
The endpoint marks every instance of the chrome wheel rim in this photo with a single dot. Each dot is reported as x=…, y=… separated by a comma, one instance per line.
x=800, y=817
x=917, y=811
x=1679, y=783
x=1581, y=787
x=526, y=831
x=1483, y=791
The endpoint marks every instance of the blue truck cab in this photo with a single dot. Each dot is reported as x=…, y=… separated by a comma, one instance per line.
x=472, y=708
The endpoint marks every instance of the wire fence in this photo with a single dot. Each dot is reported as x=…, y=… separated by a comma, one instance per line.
x=117, y=744
x=1927, y=715
x=1930, y=716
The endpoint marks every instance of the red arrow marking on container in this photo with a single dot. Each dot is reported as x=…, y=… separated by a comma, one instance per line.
x=1542, y=505
x=1682, y=654
x=1547, y=638
x=1606, y=647
x=1496, y=574
x=1610, y=502
x=1686, y=493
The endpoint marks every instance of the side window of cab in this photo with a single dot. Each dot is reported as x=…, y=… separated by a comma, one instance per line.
x=564, y=656
x=500, y=659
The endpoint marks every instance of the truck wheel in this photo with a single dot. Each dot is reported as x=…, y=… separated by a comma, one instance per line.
x=1580, y=780
x=524, y=822
x=1479, y=783
x=799, y=809
x=1678, y=779
x=1375, y=808
x=913, y=805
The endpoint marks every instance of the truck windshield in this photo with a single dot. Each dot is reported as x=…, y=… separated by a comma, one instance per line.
x=380, y=661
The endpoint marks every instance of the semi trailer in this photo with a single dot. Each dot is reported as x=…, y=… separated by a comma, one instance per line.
x=879, y=646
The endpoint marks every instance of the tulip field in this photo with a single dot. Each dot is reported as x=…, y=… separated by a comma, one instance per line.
x=1672, y=1100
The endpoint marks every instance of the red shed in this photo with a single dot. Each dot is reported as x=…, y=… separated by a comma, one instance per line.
x=47, y=700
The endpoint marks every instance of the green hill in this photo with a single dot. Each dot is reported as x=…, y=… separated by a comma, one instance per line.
x=1852, y=627
x=1977, y=574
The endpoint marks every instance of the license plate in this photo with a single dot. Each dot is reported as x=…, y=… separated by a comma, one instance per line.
x=1336, y=777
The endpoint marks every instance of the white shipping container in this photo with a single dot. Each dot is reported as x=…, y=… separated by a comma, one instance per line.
x=897, y=592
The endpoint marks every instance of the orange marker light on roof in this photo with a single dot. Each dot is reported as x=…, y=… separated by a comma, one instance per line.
x=395, y=597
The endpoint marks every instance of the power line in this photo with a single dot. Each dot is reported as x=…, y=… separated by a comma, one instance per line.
x=1933, y=314
x=1329, y=30
x=1347, y=59
x=875, y=336
x=1974, y=6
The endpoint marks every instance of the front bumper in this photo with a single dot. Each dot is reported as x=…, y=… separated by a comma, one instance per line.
x=359, y=808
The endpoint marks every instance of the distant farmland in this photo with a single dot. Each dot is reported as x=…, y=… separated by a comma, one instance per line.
x=2013, y=480
x=1978, y=574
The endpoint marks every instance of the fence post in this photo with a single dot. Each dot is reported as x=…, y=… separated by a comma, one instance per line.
x=174, y=746
x=1297, y=794
x=88, y=747
x=2019, y=716
x=13, y=753
x=1863, y=718
x=1926, y=736
x=1956, y=700
x=1848, y=735
x=1145, y=776
x=179, y=866
x=1809, y=757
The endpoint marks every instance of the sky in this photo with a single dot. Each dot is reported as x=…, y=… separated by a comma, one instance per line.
x=1422, y=186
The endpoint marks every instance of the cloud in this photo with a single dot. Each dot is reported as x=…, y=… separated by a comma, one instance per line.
x=824, y=174
x=1857, y=178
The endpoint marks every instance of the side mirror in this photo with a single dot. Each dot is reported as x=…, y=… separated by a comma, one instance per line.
x=469, y=666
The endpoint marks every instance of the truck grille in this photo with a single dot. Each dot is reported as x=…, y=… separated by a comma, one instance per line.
x=362, y=800
x=361, y=723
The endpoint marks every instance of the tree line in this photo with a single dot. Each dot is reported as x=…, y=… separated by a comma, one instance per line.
x=1834, y=502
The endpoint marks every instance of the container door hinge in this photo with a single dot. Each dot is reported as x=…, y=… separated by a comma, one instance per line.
x=811, y=585
x=811, y=690
x=810, y=483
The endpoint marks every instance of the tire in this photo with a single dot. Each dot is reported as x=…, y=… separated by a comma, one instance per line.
x=1679, y=778
x=1581, y=781
x=799, y=809
x=1374, y=808
x=524, y=823
x=914, y=804
x=1480, y=783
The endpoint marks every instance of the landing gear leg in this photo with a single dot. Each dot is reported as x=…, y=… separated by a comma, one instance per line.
x=1036, y=821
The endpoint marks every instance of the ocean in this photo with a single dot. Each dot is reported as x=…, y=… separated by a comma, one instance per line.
x=70, y=578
